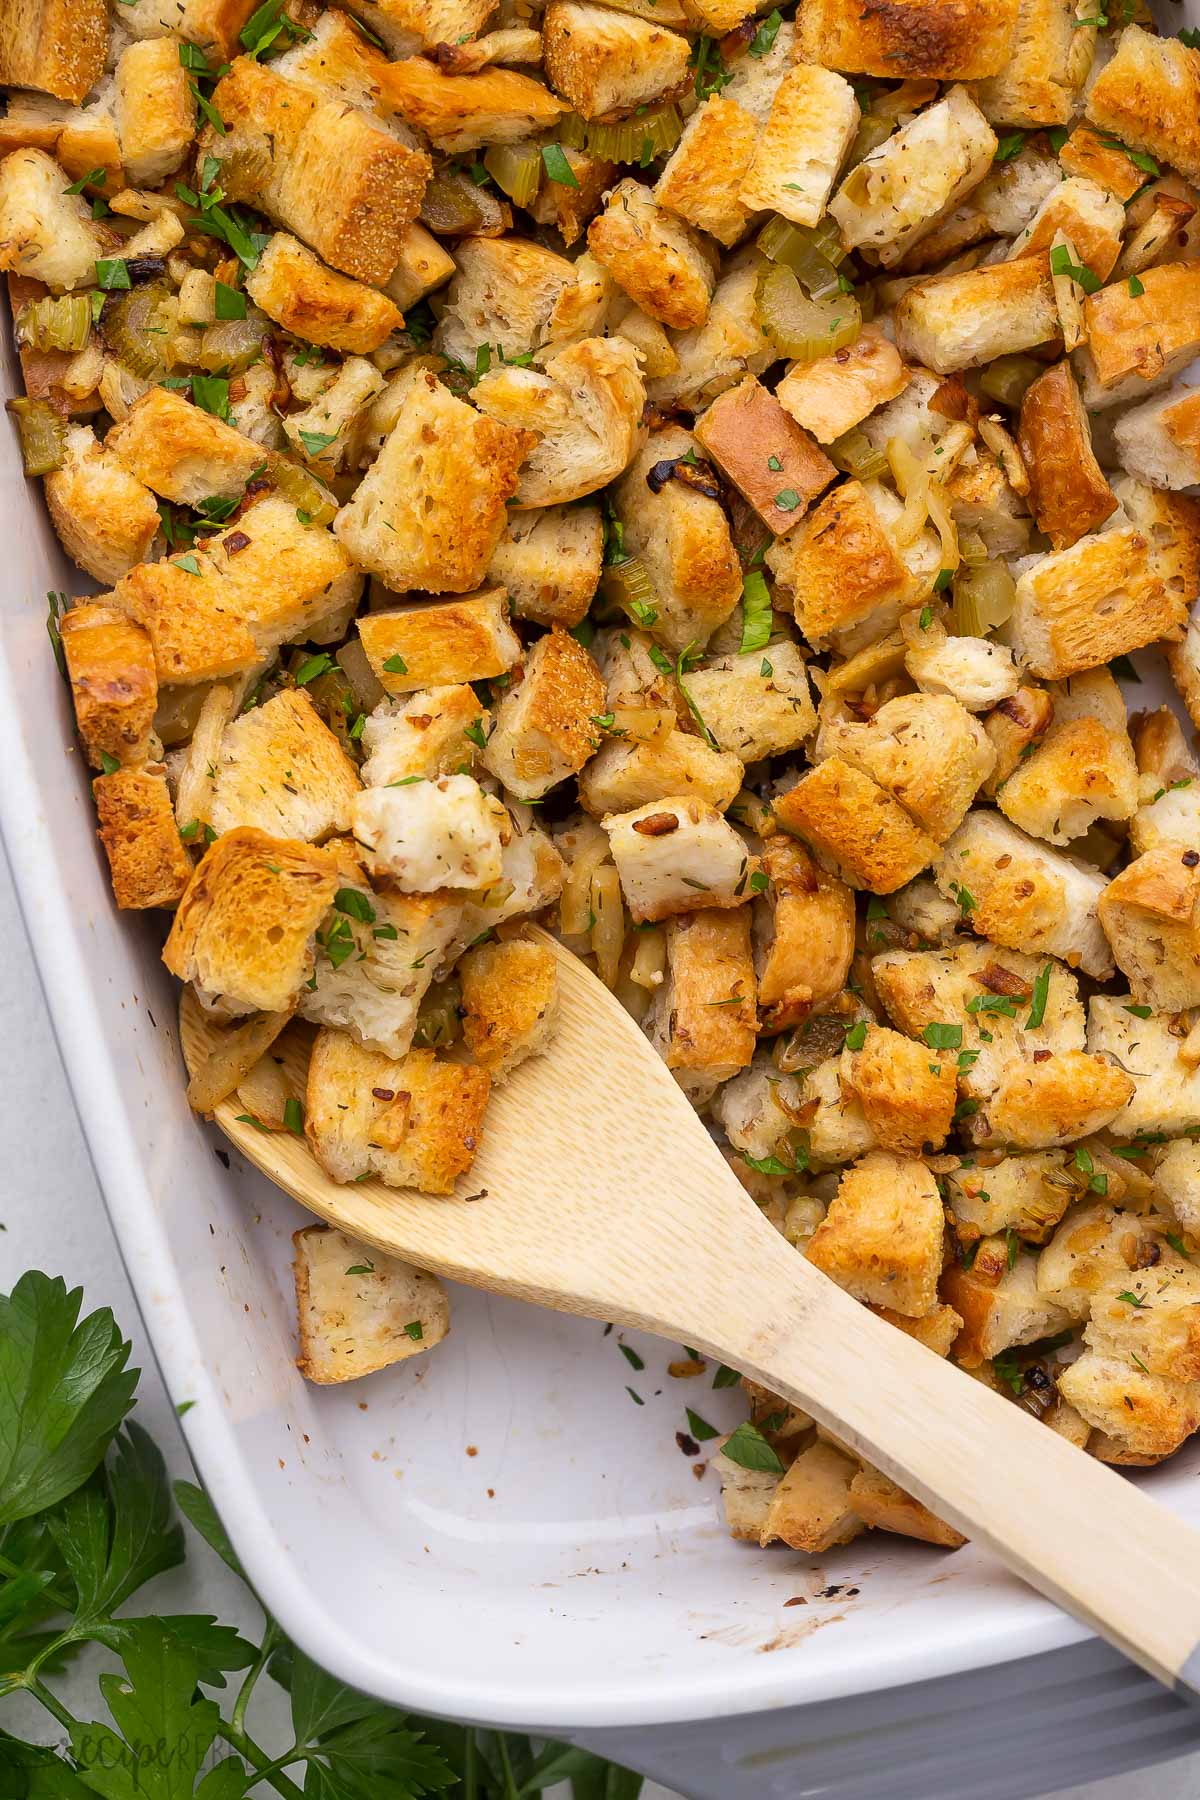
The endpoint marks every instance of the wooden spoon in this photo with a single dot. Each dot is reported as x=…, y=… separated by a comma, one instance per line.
x=598, y=1191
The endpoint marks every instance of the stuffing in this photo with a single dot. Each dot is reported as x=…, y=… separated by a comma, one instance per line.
x=544, y=728
x=1068, y=492
x=1093, y=1245
x=925, y=750
x=674, y=855
x=532, y=878
x=110, y=666
x=510, y=1001
x=907, y=1094
x=1160, y=226
x=843, y=568
x=757, y=1110
x=681, y=534
x=798, y=152
x=244, y=932
x=1081, y=770
x=1183, y=660
x=1101, y=159
x=441, y=642
x=293, y=287
x=55, y=46
x=1027, y=1194
x=835, y=1124
x=855, y=827
x=427, y=835
x=1151, y=916
x=1087, y=215
x=694, y=1023
x=810, y=1508
x=570, y=209
x=212, y=25
x=881, y=1239
x=1148, y=95
x=909, y=184
x=804, y=933
x=1026, y=896
x=326, y=435
x=1041, y=1104
x=653, y=257
x=1137, y=341
x=413, y=1122
x=359, y=1310
x=280, y=769
x=1167, y=1095
x=978, y=674
x=745, y=1497
x=147, y=862
x=549, y=562
x=729, y=344
x=880, y=1503
x=998, y=1313
x=105, y=518
x=760, y=448
x=1169, y=814
x=45, y=232
x=155, y=110
x=702, y=178
x=959, y=321
x=586, y=404
x=1046, y=66
x=1159, y=441
x=181, y=452
x=920, y=913
x=932, y=38
x=503, y=294
x=424, y=264
x=1143, y=1417
x=605, y=62
x=757, y=704
x=408, y=26
x=623, y=776
x=194, y=637
x=1151, y=1317
x=831, y=395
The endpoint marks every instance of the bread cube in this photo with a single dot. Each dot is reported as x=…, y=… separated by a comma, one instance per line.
x=881, y=1239
x=810, y=1508
x=1137, y=342
x=1026, y=896
x=1090, y=217
x=423, y=265
x=430, y=510
x=604, y=61
x=1143, y=1417
x=983, y=499
x=1046, y=66
x=423, y=836
x=147, y=862
x=244, y=930
x=772, y=462
x=1069, y=494
x=1082, y=770
x=46, y=233
x=413, y=1122
x=194, y=637
x=831, y=395
x=843, y=568
x=813, y=118
x=703, y=175
x=1086, y=1253
x=1026, y=1194
x=997, y=1315
x=1167, y=1095
x=906, y=186
x=907, y=1093
x=1159, y=441
x=1151, y=915
x=960, y=321
x=293, y=287
x=929, y=38
x=745, y=1497
x=700, y=1033
x=1041, y=1104
x=1015, y=726
x=510, y=1003
x=653, y=257
x=359, y=1310
x=105, y=518
x=676, y=854
x=756, y=1109
x=56, y=46
x=1177, y=1180
x=503, y=293
x=855, y=827
x=544, y=727
x=836, y=1125
x=448, y=641
x=623, y=776
x=424, y=734
x=757, y=704
x=805, y=933
x=282, y=770
x=880, y=1503
x=1148, y=95
x=155, y=110
x=1169, y=784
x=549, y=561
x=587, y=407
x=110, y=666
x=180, y=451
x=925, y=750
x=1183, y=660
x=407, y=26
x=1108, y=594
x=682, y=537
x=1151, y=1317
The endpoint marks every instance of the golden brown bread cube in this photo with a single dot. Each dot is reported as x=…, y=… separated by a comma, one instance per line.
x=55, y=46
x=549, y=560
x=148, y=863
x=510, y=1000
x=1069, y=1095
x=1082, y=770
x=841, y=566
x=703, y=175
x=811, y=125
x=544, y=729
x=46, y=233
x=358, y=1309
x=939, y=39
x=770, y=459
x=653, y=256
x=998, y=1311
x=682, y=536
x=831, y=395
x=1136, y=341
x=155, y=110
x=1026, y=895
x=936, y=1329
x=854, y=825
x=292, y=286
x=907, y=1091
x=810, y=937
x=1046, y=65
x=676, y=854
x=1151, y=915
x=810, y=1509
x=703, y=1017
x=462, y=112
x=1148, y=95
x=280, y=768
x=622, y=776
x=879, y=1502
x=881, y=1239
x=105, y=518
x=958, y=321
x=446, y=641
x=604, y=61
x=925, y=750
x=194, y=637
x=110, y=665
x=182, y=452
x=1151, y=1317
x=1068, y=492
x=1142, y=1417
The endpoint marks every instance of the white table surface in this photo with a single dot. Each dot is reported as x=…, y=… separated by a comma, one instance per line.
x=53, y=1218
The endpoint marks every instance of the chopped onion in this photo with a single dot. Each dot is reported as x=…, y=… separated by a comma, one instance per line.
x=516, y=169
x=364, y=683
x=43, y=435
x=983, y=599
x=1007, y=378
x=64, y=323
x=608, y=929
x=799, y=327
x=972, y=548
x=628, y=585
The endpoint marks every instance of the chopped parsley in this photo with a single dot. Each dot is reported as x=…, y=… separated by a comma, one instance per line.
x=1041, y=990
x=757, y=617
x=750, y=1450
x=554, y=161
x=1080, y=274
x=943, y=1037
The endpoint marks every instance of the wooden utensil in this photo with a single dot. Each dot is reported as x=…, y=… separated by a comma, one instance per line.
x=598, y=1191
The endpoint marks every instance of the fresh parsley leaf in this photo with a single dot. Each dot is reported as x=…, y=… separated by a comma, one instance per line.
x=700, y=1428
x=944, y=578
x=112, y=272
x=316, y=441
x=116, y=1531
x=1041, y=991
x=312, y=666
x=766, y=34
x=475, y=733
x=1080, y=274
x=925, y=618
x=1136, y=289
x=554, y=161
x=757, y=618
x=856, y=1035
x=93, y=178
x=211, y=394
x=154, y=1702
x=108, y=764
x=414, y=1330
x=230, y=302
x=942, y=1037
x=787, y=500
x=293, y=1116
x=750, y=1450
x=1135, y=1300
x=631, y=1356
x=206, y=107
x=1009, y=146
x=725, y=1377
x=201, y=1514
x=354, y=902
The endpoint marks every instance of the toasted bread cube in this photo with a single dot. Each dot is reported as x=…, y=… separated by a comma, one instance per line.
x=1169, y=788
x=429, y=512
x=462, y=112
x=880, y=1503
x=1167, y=1094
x=1084, y=212
x=959, y=321
x=293, y=287
x=182, y=452
x=1159, y=441
x=1100, y=158
x=1026, y=1194
x=810, y=1509
x=937, y=1330
x=682, y=536
x=1143, y=1417
x=281, y=769
x=653, y=257
x=407, y=26
x=56, y=46
x=1042, y=1104
x=503, y=293
x=930, y=38
x=147, y=862
x=855, y=827
x=881, y=1239
x=1047, y=64
x=1086, y=1253
x=805, y=928
x=622, y=777
x=701, y=180
x=212, y=25
x=604, y=61
x=510, y=1002
x=1151, y=1317
x=45, y=233
x=799, y=151
x=194, y=637
x=1081, y=770
x=842, y=567
x=745, y=1496
x=983, y=499
x=837, y=1126
x=1148, y=95
x=753, y=1109
x=830, y=396
x=1177, y=1179
x=155, y=110
x=533, y=875
x=586, y=404
x=1069, y=494
x=1183, y=660
x=694, y=1023
x=1151, y=915
x=544, y=729
x=909, y=184
x=110, y=665
x=414, y=1122
x=925, y=750
x=327, y=434
x=442, y=642
x=428, y=835
x=907, y=1093
x=1026, y=896
x=423, y=733
x=1015, y=726
x=755, y=705
x=999, y=1314
x=674, y=855
x=549, y=561
x=1137, y=342
x=770, y=459
x=1108, y=594
x=359, y=1310
x=105, y=518
x=729, y=343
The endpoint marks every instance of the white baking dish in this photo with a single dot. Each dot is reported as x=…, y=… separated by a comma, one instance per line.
x=499, y=1532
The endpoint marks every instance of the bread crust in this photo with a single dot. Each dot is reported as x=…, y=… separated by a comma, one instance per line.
x=1068, y=491
x=1148, y=95
x=943, y=40
x=55, y=46
x=147, y=862
x=110, y=665
x=292, y=286
x=852, y=823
